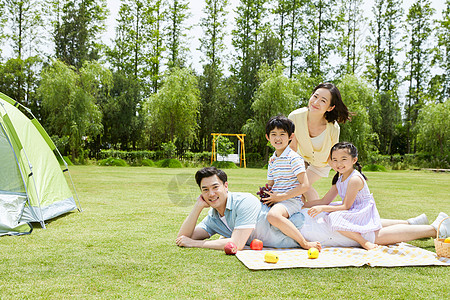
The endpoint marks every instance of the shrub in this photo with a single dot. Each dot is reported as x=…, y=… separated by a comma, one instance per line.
x=169, y=163
x=147, y=163
x=225, y=165
x=204, y=156
x=111, y=161
x=374, y=168
x=131, y=156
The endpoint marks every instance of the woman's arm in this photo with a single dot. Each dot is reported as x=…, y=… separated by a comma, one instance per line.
x=354, y=186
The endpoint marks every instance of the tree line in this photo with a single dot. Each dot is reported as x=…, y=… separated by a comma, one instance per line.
x=141, y=91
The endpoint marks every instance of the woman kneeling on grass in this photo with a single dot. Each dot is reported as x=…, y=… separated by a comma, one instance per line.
x=356, y=217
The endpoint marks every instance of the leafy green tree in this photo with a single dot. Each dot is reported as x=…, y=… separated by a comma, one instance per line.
x=433, y=134
x=350, y=22
x=358, y=97
x=383, y=70
x=24, y=20
x=3, y=20
x=154, y=22
x=76, y=29
x=172, y=111
x=177, y=15
x=289, y=15
x=419, y=30
x=69, y=101
x=212, y=94
x=319, y=41
x=122, y=120
x=277, y=94
x=135, y=57
x=246, y=41
x=224, y=146
x=16, y=70
x=440, y=83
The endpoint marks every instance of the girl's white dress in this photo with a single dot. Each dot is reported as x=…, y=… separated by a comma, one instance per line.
x=362, y=217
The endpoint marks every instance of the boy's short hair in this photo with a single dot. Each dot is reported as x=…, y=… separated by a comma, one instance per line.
x=208, y=172
x=280, y=122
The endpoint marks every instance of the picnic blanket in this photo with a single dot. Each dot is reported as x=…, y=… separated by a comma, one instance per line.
x=397, y=255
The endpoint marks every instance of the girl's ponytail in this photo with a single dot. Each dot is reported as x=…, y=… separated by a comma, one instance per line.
x=359, y=168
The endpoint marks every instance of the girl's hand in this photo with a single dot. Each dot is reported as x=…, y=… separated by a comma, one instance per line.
x=314, y=211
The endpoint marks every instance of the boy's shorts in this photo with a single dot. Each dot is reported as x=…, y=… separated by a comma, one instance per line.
x=292, y=206
x=272, y=236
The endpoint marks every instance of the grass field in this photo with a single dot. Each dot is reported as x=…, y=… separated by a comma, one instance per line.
x=122, y=244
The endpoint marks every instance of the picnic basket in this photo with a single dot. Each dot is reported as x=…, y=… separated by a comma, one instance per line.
x=442, y=249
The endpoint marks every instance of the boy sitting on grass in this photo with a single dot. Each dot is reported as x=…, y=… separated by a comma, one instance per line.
x=286, y=175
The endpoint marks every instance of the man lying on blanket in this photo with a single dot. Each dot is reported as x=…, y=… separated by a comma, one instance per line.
x=241, y=217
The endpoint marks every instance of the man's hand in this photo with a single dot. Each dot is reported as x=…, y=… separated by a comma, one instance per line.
x=201, y=202
x=184, y=241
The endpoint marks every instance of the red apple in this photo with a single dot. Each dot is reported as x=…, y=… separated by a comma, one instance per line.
x=230, y=248
x=256, y=244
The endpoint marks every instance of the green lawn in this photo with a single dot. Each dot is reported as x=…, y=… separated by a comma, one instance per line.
x=122, y=244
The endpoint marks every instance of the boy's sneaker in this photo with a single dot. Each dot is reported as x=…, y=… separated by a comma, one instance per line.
x=419, y=220
x=444, y=230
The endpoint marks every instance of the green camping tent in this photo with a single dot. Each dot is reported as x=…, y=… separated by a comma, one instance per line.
x=33, y=187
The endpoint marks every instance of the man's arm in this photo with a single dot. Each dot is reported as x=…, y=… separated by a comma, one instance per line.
x=188, y=228
x=239, y=237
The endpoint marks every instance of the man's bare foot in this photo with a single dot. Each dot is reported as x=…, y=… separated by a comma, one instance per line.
x=309, y=245
x=369, y=246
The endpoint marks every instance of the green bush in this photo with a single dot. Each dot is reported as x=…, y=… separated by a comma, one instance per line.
x=374, y=168
x=132, y=157
x=111, y=161
x=225, y=165
x=204, y=156
x=169, y=163
x=147, y=163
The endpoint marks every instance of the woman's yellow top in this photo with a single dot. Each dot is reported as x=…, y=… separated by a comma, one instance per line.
x=305, y=147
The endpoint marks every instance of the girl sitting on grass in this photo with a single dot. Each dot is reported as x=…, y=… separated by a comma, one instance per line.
x=357, y=216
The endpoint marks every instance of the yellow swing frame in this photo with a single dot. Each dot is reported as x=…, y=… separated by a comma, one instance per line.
x=240, y=136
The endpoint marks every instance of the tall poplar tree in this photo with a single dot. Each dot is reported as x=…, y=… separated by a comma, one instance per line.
x=177, y=15
x=419, y=29
x=19, y=75
x=383, y=69
x=135, y=57
x=2, y=25
x=290, y=25
x=77, y=27
x=319, y=41
x=440, y=83
x=246, y=37
x=154, y=20
x=350, y=22
x=212, y=95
